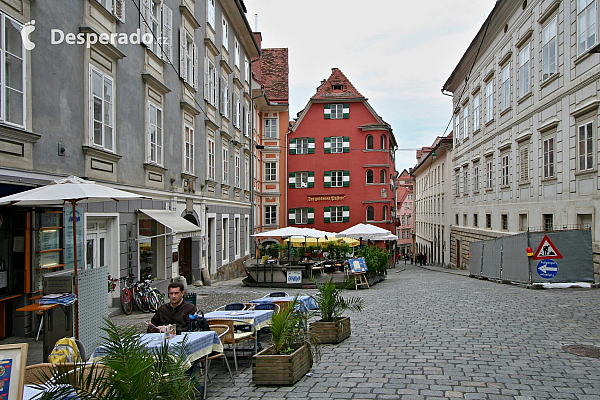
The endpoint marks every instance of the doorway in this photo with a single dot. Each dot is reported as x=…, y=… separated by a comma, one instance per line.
x=457, y=254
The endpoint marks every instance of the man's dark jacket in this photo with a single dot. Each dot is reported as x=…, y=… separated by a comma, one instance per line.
x=166, y=314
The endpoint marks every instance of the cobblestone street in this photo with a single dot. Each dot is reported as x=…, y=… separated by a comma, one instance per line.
x=431, y=335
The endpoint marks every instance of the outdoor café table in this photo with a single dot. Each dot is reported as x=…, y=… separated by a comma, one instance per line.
x=259, y=319
x=30, y=392
x=308, y=302
x=199, y=344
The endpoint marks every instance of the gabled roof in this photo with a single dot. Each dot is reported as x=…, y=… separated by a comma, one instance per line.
x=337, y=78
x=274, y=74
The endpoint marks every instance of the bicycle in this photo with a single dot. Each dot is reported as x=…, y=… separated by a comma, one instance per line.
x=140, y=297
x=126, y=294
x=152, y=295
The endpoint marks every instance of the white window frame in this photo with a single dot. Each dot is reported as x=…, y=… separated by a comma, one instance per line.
x=548, y=162
x=225, y=240
x=302, y=146
x=189, y=59
x=188, y=149
x=505, y=166
x=155, y=145
x=466, y=121
x=155, y=23
x=301, y=215
x=475, y=178
x=225, y=165
x=271, y=215
x=465, y=180
x=524, y=164
x=238, y=170
x=337, y=178
x=337, y=111
x=246, y=172
x=457, y=126
x=336, y=214
x=476, y=112
x=585, y=146
x=587, y=20
x=270, y=125
x=489, y=101
x=236, y=53
x=337, y=144
x=211, y=160
x=5, y=55
x=505, y=87
x=525, y=70
x=270, y=171
x=489, y=173
x=111, y=106
x=301, y=180
x=549, y=49
x=225, y=34
x=210, y=13
x=246, y=69
x=236, y=236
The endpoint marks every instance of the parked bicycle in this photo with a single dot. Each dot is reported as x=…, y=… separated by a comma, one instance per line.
x=126, y=294
x=140, y=297
x=154, y=297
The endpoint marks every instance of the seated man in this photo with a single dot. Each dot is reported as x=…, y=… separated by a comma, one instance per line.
x=175, y=312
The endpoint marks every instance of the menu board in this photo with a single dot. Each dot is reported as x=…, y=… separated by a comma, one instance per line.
x=49, y=239
x=48, y=260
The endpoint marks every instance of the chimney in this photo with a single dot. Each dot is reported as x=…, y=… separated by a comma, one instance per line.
x=258, y=38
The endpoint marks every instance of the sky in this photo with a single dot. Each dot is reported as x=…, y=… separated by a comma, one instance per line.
x=397, y=53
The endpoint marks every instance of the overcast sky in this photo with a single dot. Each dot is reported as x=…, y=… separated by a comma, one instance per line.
x=397, y=53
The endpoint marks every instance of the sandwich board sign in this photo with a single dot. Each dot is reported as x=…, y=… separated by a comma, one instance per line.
x=546, y=250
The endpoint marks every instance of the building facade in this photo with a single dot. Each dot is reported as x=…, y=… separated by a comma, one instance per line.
x=525, y=100
x=404, y=212
x=340, y=161
x=154, y=100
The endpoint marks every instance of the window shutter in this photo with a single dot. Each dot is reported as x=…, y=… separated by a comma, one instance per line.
x=327, y=214
x=145, y=18
x=206, y=80
x=346, y=178
x=292, y=180
x=195, y=59
x=346, y=214
x=327, y=179
x=215, y=89
x=119, y=9
x=327, y=111
x=292, y=146
x=183, y=73
x=327, y=145
x=346, y=110
x=292, y=216
x=311, y=179
x=524, y=158
x=346, y=144
x=311, y=145
x=311, y=215
x=222, y=103
x=167, y=30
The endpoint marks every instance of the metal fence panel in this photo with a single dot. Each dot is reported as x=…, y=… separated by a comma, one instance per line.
x=492, y=259
x=93, y=305
x=476, y=257
x=515, y=265
x=576, y=264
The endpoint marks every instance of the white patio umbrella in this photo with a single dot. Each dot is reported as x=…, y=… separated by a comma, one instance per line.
x=365, y=231
x=71, y=190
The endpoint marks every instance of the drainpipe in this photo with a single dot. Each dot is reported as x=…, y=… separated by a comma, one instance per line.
x=252, y=149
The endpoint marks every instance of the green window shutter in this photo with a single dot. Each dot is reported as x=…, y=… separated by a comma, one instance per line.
x=327, y=214
x=311, y=179
x=292, y=146
x=311, y=215
x=346, y=213
x=292, y=216
x=327, y=179
x=327, y=146
x=346, y=178
x=292, y=180
x=327, y=111
x=346, y=110
x=346, y=144
x=311, y=145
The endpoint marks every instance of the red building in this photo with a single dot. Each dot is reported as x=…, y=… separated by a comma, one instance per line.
x=341, y=161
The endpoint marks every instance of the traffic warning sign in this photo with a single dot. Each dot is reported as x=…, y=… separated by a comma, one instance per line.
x=546, y=250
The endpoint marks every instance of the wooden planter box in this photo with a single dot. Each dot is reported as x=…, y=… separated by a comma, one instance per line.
x=280, y=370
x=331, y=332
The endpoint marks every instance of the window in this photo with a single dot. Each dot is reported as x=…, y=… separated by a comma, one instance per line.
x=475, y=220
x=384, y=213
x=225, y=36
x=210, y=82
x=271, y=129
x=102, y=93
x=236, y=236
x=505, y=170
x=457, y=182
x=336, y=214
x=224, y=106
x=370, y=213
x=489, y=101
x=457, y=127
x=456, y=220
x=155, y=138
x=211, y=159
x=382, y=142
x=585, y=147
x=271, y=171
x=301, y=216
x=156, y=21
x=505, y=87
x=476, y=113
x=548, y=158
x=188, y=66
x=382, y=174
x=369, y=142
x=586, y=25
x=246, y=172
x=237, y=109
x=337, y=144
x=246, y=69
x=504, y=220
x=155, y=24
x=523, y=225
x=488, y=174
x=302, y=146
x=548, y=221
x=236, y=53
x=336, y=111
x=210, y=13
x=524, y=71
x=13, y=70
x=585, y=222
x=301, y=180
x=476, y=178
x=488, y=221
x=549, y=50
x=465, y=220
x=238, y=170
x=369, y=176
x=225, y=241
x=465, y=181
x=337, y=178
x=466, y=121
x=188, y=146
x=270, y=215
x=225, y=166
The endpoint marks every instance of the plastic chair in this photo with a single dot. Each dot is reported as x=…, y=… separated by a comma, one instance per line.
x=283, y=303
x=190, y=297
x=221, y=330
x=232, y=338
x=232, y=307
x=266, y=306
x=277, y=294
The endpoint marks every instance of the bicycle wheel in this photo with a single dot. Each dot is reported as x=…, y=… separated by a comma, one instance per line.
x=139, y=303
x=126, y=303
x=153, y=303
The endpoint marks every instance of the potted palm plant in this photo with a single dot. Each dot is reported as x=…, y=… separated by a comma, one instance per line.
x=291, y=353
x=332, y=327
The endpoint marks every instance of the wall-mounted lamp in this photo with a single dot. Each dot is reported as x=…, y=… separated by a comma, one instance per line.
x=434, y=154
x=259, y=147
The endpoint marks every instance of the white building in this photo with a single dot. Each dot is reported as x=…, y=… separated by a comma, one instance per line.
x=526, y=123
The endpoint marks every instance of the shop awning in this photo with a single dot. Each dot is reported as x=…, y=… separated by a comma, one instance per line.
x=181, y=227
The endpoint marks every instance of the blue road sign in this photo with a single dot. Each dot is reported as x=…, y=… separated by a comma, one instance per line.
x=547, y=269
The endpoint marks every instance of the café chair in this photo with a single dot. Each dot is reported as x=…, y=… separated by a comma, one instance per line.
x=233, y=338
x=283, y=303
x=38, y=373
x=221, y=330
x=232, y=307
x=276, y=294
x=266, y=306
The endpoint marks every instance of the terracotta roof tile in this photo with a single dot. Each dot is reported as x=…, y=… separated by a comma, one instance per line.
x=274, y=74
x=343, y=88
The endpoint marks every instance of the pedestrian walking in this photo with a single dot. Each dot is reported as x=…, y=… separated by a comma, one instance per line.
x=420, y=258
x=425, y=258
x=405, y=258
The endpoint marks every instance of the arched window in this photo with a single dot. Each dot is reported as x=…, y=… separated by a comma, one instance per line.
x=383, y=141
x=370, y=142
x=382, y=176
x=370, y=213
x=385, y=216
x=369, y=176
